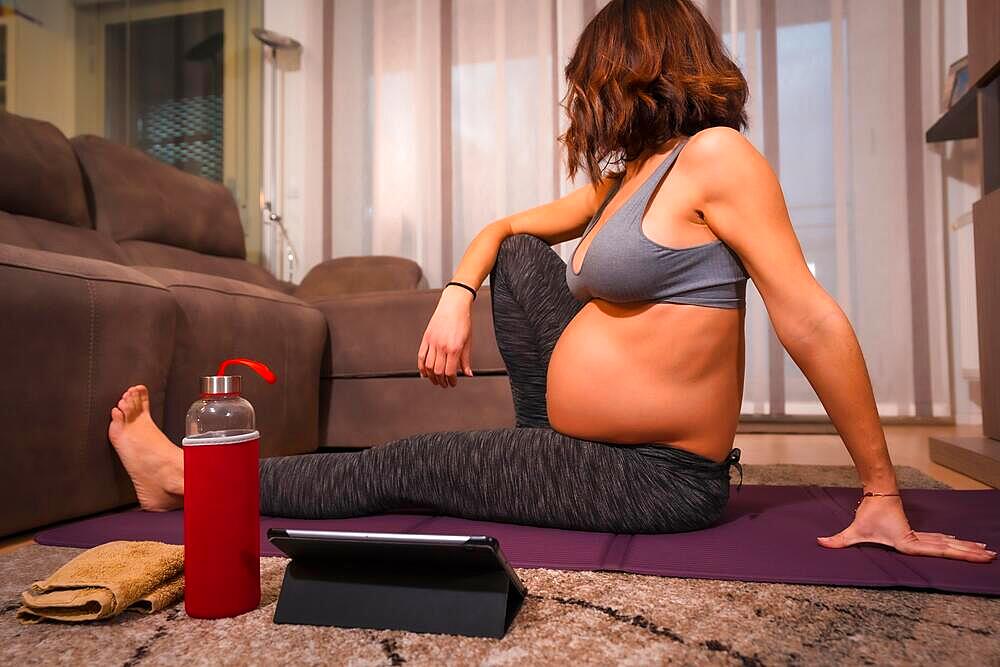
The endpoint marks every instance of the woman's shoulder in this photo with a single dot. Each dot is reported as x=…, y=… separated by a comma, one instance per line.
x=720, y=155
x=718, y=142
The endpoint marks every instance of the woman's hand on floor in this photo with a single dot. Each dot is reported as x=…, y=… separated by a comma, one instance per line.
x=447, y=341
x=882, y=520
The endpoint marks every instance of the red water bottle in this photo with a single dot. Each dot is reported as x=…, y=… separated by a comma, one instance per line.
x=221, y=503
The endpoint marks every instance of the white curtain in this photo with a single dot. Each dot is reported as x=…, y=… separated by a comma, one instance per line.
x=394, y=141
x=445, y=117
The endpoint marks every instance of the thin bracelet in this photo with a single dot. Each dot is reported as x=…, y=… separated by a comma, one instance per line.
x=458, y=284
x=869, y=494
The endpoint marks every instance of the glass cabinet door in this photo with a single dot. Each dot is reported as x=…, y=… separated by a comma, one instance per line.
x=163, y=89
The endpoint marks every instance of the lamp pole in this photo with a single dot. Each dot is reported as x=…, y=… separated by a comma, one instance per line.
x=272, y=202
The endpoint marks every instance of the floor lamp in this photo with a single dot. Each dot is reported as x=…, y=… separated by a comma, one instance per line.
x=276, y=242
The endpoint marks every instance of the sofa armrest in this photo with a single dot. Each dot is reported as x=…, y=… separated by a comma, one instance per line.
x=355, y=275
x=377, y=334
x=76, y=333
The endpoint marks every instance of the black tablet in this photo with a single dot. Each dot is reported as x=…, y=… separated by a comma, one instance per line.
x=402, y=550
x=454, y=584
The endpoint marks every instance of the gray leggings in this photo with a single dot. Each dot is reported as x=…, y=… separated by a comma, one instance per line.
x=530, y=474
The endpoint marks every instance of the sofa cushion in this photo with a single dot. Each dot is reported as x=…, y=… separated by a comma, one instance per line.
x=40, y=234
x=219, y=318
x=144, y=253
x=353, y=275
x=41, y=177
x=378, y=334
x=177, y=278
x=138, y=198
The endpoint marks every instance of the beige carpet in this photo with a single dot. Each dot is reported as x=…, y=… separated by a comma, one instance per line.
x=569, y=618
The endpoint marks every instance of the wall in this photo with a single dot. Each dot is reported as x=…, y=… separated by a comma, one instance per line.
x=43, y=51
x=300, y=89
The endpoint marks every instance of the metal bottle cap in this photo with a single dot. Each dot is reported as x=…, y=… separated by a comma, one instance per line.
x=221, y=384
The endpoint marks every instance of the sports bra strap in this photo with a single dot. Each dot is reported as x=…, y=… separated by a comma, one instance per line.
x=646, y=190
x=600, y=211
x=643, y=193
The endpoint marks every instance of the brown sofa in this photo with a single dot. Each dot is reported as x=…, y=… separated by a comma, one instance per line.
x=369, y=388
x=117, y=270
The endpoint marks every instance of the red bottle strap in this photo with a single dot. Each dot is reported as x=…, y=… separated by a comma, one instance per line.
x=258, y=367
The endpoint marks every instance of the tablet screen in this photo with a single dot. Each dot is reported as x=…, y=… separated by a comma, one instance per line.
x=406, y=538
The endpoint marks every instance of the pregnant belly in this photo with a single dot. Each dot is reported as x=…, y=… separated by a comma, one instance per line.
x=664, y=373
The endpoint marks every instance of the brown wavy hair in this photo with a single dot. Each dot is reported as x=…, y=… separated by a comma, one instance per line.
x=643, y=72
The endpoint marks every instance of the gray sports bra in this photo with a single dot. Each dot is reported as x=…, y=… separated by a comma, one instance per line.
x=622, y=264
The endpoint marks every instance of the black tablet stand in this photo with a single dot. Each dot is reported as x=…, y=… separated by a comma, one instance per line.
x=475, y=597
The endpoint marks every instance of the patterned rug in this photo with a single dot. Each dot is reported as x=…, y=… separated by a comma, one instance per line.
x=569, y=618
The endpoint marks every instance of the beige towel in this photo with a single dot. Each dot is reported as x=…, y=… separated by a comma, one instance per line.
x=107, y=580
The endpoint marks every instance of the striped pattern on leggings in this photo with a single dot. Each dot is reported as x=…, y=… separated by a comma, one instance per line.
x=529, y=474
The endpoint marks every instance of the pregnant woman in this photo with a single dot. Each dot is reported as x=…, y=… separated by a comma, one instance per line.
x=626, y=363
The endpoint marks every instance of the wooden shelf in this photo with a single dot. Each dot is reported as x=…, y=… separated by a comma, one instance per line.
x=959, y=122
x=973, y=456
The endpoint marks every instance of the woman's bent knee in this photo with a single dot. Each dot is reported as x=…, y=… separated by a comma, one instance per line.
x=518, y=250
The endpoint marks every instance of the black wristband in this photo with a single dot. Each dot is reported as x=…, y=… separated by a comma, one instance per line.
x=463, y=285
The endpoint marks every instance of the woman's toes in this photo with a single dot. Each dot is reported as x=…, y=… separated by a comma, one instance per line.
x=117, y=415
x=143, y=394
x=125, y=405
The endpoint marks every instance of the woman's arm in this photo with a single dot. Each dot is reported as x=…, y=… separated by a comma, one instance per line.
x=446, y=344
x=744, y=206
x=555, y=222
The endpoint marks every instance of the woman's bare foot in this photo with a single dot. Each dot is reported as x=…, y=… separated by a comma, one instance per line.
x=155, y=464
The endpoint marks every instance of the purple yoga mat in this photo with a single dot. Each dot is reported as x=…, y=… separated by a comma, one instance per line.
x=768, y=534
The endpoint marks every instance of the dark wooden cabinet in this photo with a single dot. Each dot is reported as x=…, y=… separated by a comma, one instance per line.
x=983, y=19
x=986, y=230
x=979, y=457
